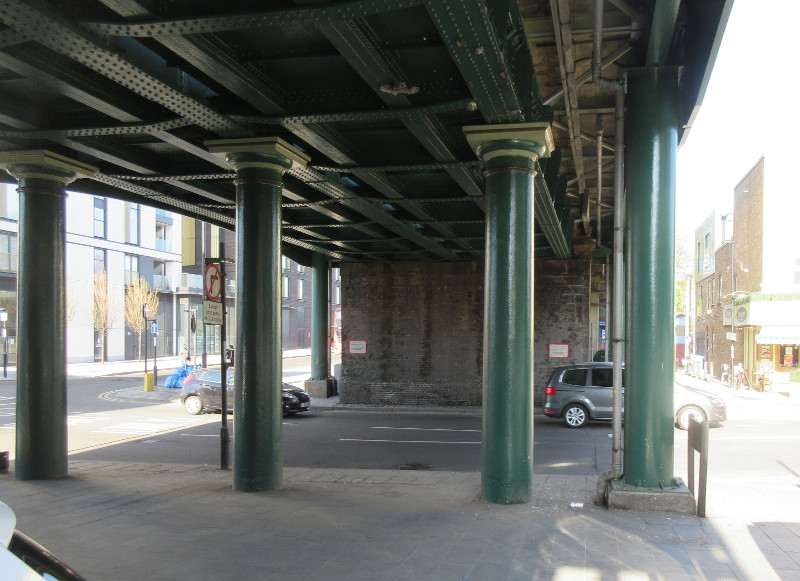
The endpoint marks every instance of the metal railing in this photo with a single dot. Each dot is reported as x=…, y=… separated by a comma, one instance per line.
x=698, y=442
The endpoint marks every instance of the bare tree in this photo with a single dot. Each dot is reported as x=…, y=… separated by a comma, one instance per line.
x=104, y=310
x=72, y=303
x=138, y=294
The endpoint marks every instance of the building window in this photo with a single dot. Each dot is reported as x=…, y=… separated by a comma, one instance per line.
x=719, y=290
x=284, y=263
x=337, y=295
x=285, y=293
x=712, y=295
x=163, y=234
x=132, y=225
x=8, y=252
x=699, y=297
x=9, y=203
x=300, y=289
x=99, y=217
x=99, y=260
x=131, y=268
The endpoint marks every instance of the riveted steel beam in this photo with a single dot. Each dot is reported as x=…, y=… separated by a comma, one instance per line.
x=67, y=39
x=370, y=210
x=358, y=44
x=253, y=20
x=486, y=61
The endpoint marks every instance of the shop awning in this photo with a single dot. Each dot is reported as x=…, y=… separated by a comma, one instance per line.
x=779, y=334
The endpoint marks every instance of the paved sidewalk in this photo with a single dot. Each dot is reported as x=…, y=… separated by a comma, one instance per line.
x=127, y=522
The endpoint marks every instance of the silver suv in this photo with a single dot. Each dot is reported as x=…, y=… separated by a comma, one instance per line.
x=583, y=391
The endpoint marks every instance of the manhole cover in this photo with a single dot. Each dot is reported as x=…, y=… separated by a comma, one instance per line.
x=414, y=467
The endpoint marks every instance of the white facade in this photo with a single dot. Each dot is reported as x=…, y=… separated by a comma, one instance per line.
x=120, y=230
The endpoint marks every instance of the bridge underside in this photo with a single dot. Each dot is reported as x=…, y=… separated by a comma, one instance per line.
x=366, y=134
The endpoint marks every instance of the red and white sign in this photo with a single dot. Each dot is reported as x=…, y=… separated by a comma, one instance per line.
x=213, y=282
x=558, y=350
x=357, y=347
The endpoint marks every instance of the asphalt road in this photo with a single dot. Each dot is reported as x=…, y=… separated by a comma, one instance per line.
x=759, y=442
x=380, y=440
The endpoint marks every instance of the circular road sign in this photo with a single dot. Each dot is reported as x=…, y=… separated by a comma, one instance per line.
x=213, y=282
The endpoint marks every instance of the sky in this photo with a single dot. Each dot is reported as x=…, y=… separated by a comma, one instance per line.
x=746, y=109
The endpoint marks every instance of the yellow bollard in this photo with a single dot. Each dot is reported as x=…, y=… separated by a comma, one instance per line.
x=149, y=383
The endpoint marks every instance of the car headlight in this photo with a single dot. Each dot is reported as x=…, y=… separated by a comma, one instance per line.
x=717, y=402
x=291, y=398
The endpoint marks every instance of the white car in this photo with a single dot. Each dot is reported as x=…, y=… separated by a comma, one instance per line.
x=22, y=559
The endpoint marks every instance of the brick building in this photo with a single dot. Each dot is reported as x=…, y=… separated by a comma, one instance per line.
x=748, y=286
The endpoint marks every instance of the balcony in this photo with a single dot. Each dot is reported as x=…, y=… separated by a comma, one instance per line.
x=163, y=245
x=191, y=283
x=162, y=283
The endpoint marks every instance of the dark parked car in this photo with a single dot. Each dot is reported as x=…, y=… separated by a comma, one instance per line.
x=202, y=392
x=583, y=391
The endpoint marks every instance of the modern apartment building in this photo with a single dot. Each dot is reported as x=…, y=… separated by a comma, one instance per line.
x=169, y=251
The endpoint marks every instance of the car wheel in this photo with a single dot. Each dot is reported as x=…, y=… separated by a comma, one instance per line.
x=686, y=413
x=575, y=415
x=193, y=405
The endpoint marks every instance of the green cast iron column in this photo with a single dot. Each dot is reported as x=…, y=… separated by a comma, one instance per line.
x=320, y=319
x=652, y=140
x=41, y=428
x=257, y=443
x=510, y=156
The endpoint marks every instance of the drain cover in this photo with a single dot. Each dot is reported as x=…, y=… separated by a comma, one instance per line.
x=414, y=467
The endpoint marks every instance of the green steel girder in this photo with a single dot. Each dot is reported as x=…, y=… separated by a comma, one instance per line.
x=166, y=201
x=338, y=216
x=66, y=38
x=100, y=96
x=392, y=190
x=370, y=210
x=483, y=60
x=218, y=62
x=375, y=115
x=662, y=31
x=356, y=42
x=319, y=15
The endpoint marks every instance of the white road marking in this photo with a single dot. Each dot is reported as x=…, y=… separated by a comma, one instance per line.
x=422, y=429
x=405, y=441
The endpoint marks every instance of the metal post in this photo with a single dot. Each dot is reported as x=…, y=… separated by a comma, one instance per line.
x=320, y=317
x=4, y=318
x=205, y=354
x=224, y=435
x=155, y=357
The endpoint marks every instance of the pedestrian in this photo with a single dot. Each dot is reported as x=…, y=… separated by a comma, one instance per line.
x=229, y=355
x=185, y=359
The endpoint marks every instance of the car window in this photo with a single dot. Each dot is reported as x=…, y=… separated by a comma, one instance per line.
x=574, y=376
x=602, y=377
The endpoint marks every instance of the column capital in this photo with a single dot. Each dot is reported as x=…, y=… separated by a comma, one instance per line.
x=265, y=152
x=533, y=140
x=40, y=163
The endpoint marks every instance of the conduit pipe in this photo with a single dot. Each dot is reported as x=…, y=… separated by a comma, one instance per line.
x=617, y=343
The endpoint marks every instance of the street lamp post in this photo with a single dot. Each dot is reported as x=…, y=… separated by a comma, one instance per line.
x=4, y=318
x=732, y=335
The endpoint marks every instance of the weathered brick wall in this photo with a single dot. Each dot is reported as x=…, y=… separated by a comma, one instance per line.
x=561, y=315
x=423, y=324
